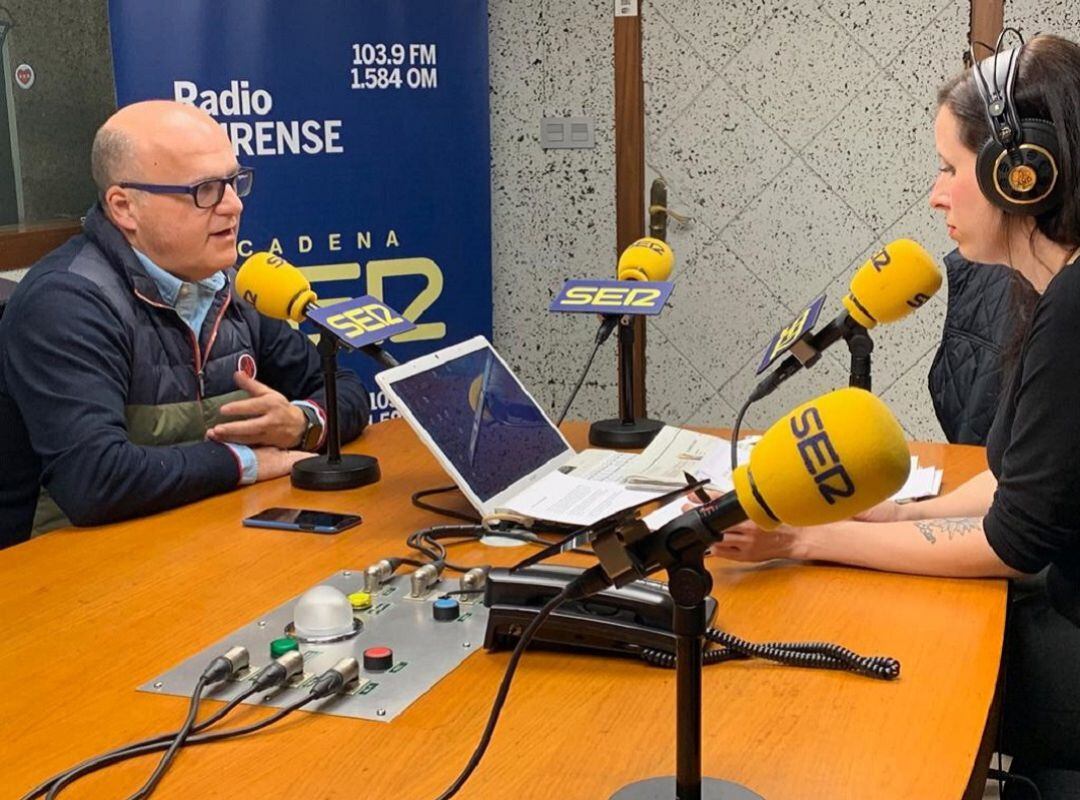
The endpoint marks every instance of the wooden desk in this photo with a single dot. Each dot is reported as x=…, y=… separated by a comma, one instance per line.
x=91, y=614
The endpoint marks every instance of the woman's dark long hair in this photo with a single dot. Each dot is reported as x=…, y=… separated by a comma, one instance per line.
x=1047, y=87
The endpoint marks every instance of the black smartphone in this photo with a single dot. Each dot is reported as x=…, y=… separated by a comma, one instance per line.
x=302, y=519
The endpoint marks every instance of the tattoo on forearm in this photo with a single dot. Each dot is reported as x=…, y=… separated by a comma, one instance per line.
x=950, y=526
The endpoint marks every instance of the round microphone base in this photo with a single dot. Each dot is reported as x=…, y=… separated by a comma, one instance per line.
x=318, y=474
x=664, y=789
x=614, y=434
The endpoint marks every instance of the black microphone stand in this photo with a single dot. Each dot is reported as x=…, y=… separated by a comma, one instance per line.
x=628, y=431
x=689, y=583
x=333, y=470
x=860, y=345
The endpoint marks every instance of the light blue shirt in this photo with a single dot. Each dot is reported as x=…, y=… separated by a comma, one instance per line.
x=192, y=302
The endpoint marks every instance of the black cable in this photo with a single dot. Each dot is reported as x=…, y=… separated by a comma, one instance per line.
x=334, y=681
x=504, y=690
x=170, y=743
x=606, y=327
x=273, y=675
x=446, y=512
x=43, y=787
x=428, y=542
x=735, y=433
x=815, y=655
x=666, y=660
x=819, y=655
x=1003, y=775
x=163, y=765
x=121, y=755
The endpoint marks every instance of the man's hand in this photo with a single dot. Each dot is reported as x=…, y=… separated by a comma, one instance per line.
x=274, y=462
x=271, y=419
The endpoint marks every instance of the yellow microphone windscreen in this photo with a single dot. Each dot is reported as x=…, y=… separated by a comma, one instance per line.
x=892, y=284
x=274, y=286
x=646, y=259
x=827, y=460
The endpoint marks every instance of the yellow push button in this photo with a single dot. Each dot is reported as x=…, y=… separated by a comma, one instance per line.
x=360, y=600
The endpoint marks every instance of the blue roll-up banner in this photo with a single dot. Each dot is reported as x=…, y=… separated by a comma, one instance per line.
x=367, y=126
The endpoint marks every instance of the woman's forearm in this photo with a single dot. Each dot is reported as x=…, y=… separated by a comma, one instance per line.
x=971, y=499
x=954, y=546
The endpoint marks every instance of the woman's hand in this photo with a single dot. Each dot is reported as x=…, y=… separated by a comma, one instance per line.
x=887, y=511
x=747, y=542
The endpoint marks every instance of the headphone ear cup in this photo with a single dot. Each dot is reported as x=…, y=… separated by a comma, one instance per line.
x=1030, y=188
x=1044, y=161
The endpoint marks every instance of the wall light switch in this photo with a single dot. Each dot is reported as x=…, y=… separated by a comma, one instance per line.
x=566, y=133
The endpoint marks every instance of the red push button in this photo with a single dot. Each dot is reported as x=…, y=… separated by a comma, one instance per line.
x=378, y=659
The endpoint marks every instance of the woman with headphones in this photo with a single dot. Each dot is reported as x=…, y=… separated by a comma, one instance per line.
x=1008, y=135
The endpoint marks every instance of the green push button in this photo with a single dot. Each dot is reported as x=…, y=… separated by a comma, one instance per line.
x=280, y=647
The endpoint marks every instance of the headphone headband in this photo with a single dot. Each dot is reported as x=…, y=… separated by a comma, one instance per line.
x=997, y=96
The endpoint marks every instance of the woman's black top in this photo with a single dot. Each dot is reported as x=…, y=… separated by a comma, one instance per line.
x=1034, y=444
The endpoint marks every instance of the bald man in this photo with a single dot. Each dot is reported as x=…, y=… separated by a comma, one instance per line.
x=131, y=378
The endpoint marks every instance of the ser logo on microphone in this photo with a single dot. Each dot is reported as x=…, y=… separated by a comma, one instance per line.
x=360, y=322
x=820, y=457
x=249, y=295
x=367, y=318
x=918, y=300
x=612, y=297
x=881, y=259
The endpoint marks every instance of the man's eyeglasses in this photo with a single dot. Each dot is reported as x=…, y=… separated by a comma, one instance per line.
x=206, y=194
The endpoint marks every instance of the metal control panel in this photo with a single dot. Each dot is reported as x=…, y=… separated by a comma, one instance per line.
x=424, y=642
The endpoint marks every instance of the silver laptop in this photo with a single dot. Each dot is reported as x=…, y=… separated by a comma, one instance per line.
x=478, y=420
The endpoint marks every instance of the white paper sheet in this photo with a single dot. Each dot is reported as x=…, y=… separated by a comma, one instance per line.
x=716, y=466
x=921, y=482
x=673, y=453
x=599, y=465
x=575, y=501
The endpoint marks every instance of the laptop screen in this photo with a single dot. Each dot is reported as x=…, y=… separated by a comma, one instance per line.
x=482, y=420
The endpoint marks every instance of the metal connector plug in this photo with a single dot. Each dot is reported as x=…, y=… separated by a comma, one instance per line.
x=379, y=573
x=280, y=671
x=474, y=579
x=338, y=679
x=423, y=578
x=227, y=666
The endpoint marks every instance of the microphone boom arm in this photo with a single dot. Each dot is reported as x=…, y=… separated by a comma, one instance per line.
x=807, y=351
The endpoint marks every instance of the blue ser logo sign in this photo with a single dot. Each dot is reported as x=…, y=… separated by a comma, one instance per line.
x=613, y=297
x=362, y=321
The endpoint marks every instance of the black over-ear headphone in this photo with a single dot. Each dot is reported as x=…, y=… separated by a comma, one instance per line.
x=1017, y=168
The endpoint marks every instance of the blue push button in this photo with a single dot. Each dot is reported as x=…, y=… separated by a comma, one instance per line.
x=446, y=609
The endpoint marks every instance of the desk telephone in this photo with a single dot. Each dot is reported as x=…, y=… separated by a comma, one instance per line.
x=616, y=621
x=636, y=621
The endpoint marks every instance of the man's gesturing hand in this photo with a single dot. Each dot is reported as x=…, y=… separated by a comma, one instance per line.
x=271, y=419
